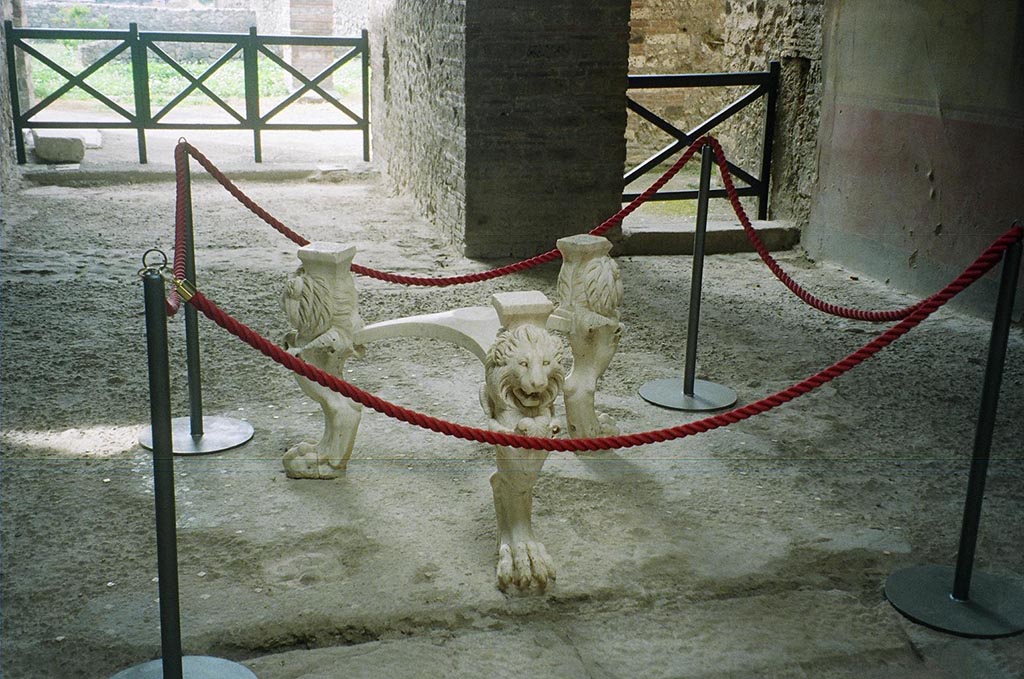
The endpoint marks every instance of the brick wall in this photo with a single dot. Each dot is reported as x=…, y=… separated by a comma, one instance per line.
x=545, y=115
x=310, y=17
x=503, y=122
x=674, y=36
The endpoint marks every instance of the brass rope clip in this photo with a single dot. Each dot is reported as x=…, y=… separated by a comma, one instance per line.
x=186, y=289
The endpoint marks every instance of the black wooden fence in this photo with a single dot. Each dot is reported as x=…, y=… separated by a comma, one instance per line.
x=765, y=84
x=141, y=46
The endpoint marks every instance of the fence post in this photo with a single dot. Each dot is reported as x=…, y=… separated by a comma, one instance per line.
x=960, y=601
x=170, y=664
x=251, y=62
x=196, y=434
x=12, y=79
x=770, y=111
x=195, y=380
x=140, y=82
x=163, y=473
x=691, y=394
x=986, y=423
x=697, y=274
x=366, y=94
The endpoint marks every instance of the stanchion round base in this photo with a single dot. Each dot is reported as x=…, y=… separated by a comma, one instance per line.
x=924, y=594
x=219, y=434
x=192, y=667
x=669, y=394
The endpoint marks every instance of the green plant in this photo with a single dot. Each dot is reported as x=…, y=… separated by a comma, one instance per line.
x=80, y=16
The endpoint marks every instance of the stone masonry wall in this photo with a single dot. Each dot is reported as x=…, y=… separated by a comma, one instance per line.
x=271, y=16
x=417, y=50
x=673, y=36
x=759, y=31
x=149, y=17
x=689, y=36
x=119, y=15
x=8, y=173
x=350, y=16
x=545, y=117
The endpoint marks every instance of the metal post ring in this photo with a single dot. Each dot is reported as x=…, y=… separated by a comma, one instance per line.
x=147, y=265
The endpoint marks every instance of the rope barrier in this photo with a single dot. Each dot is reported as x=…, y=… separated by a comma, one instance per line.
x=543, y=258
x=988, y=259
x=785, y=278
x=180, y=222
x=909, y=317
x=184, y=149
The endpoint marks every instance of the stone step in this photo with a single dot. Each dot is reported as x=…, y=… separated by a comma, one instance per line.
x=674, y=237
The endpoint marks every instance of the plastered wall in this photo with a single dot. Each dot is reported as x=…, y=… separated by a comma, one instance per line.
x=921, y=139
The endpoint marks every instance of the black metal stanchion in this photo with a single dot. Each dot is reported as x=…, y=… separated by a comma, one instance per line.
x=171, y=664
x=959, y=600
x=196, y=434
x=691, y=393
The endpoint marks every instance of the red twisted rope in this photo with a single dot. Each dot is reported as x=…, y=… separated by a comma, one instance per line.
x=785, y=278
x=976, y=270
x=543, y=258
x=180, y=214
x=239, y=195
x=184, y=148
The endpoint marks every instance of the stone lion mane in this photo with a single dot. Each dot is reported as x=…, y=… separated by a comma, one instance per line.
x=502, y=377
x=596, y=286
x=307, y=304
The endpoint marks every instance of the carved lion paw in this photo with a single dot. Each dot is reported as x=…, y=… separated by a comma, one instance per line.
x=607, y=425
x=303, y=461
x=524, y=566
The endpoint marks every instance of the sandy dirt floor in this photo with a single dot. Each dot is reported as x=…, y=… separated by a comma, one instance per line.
x=759, y=550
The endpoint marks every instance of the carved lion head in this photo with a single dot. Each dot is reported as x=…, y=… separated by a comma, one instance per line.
x=525, y=367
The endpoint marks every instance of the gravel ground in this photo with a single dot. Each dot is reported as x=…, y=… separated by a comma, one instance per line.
x=759, y=550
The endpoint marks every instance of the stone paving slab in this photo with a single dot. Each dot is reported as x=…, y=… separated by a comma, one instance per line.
x=791, y=634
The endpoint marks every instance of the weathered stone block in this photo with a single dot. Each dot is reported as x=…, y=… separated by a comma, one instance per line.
x=59, y=149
